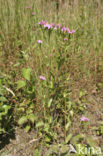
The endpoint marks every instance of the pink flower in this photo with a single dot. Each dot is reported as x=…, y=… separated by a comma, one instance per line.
x=71, y=32
x=50, y=55
x=68, y=31
x=42, y=77
x=63, y=29
x=39, y=41
x=58, y=26
x=42, y=22
x=84, y=118
x=27, y=7
x=47, y=26
x=33, y=13
x=52, y=24
x=65, y=39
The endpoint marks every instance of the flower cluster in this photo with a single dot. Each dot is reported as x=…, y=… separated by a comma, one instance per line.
x=46, y=25
x=55, y=27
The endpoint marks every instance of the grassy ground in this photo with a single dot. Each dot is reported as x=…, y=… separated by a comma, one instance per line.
x=46, y=86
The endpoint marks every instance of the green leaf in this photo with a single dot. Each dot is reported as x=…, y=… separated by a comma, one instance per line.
x=71, y=113
x=6, y=107
x=37, y=153
x=51, y=85
x=2, y=130
x=101, y=128
x=50, y=102
x=91, y=141
x=55, y=148
x=27, y=128
x=68, y=138
x=32, y=118
x=26, y=73
x=39, y=124
x=21, y=109
x=47, y=139
x=21, y=84
x=22, y=120
x=64, y=149
x=2, y=90
x=3, y=99
x=81, y=93
x=77, y=139
x=67, y=126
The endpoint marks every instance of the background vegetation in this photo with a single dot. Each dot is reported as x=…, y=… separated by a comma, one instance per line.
x=46, y=88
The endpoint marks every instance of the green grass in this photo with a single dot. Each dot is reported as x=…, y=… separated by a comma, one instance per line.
x=73, y=73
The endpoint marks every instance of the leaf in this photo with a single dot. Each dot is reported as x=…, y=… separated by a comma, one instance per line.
x=32, y=118
x=21, y=84
x=37, y=153
x=101, y=128
x=21, y=109
x=68, y=138
x=22, y=120
x=40, y=124
x=67, y=126
x=46, y=127
x=71, y=113
x=77, y=139
x=3, y=99
x=64, y=148
x=6, y=107
x=55, y=148
x=26, y=73
x=2, y=130
x=27, y=128
x=1, y=90
x=50, y=102
x=91, y=141
x=47, y=138
x=51, y=85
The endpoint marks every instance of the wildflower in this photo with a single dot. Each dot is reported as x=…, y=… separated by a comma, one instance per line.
x=84, y=119
x=65, y=39
x=71, y=32
x=42, y=77
x=50, y=55
x=39, y=41
x=52, y=24
x=68, y=31
x=47, y=26
x=58, y=26
x=33, y=13
x=42, y=22
x=63, y=29
x=27, y=7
